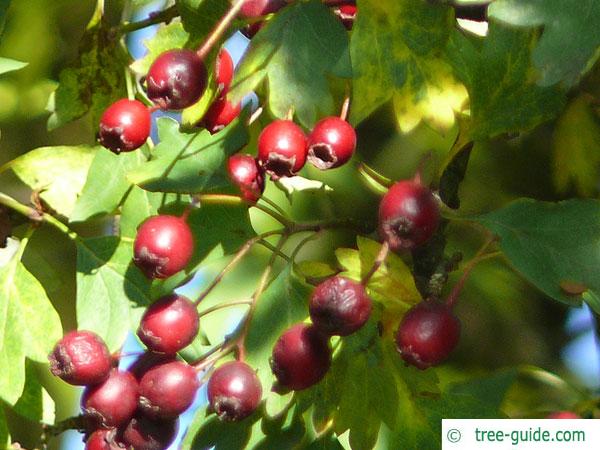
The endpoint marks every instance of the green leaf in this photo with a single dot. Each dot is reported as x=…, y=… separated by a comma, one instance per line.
x=576, y=147
x=167, y=37
x=570, y=37
x=106, y=184
x=29, y=325
x=4, y=433
x=551, y=244
x=111, y=291
x=30, y=404
x=397, y=52
x=302, y=45
x=200, y=16
x=189, y=162
x=4, y=4
x=58, y=173
x=501, y=82
x=9, y=65
x=93, y=82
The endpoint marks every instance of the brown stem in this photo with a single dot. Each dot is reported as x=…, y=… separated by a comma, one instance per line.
x=255, y=115
x=379, y=260
x=345, y=108
x=72, y=423
x=220, y=29
x=164, y=16
x=275, y=215
x=222, y=306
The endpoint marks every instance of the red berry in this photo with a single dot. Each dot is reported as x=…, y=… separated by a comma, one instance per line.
x=167, y=390
x=427, y=334
x=220, y=114
x=143, y=433
x=113, y=402
x=339, y=306
x=347, y=14
x=331, y=143
x=146, y=361
x=257, y=8
x=247, y=175
x=81, y=358
x=282, y=149
x=408, y=215
x=124, y=126
x=301, y=357
x=103, y=440
x=234, y=391
x=563, y=415
x=169, y=324
x=223, y=71
x=176, y=79
x=163, y=246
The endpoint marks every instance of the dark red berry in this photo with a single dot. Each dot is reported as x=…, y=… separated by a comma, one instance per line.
x=104, y=440
x=223, y=71
x=234, y=391
x=408, y=215
x=220, y=114
x=176, y=79
x=124, y=126
x=282, y=149
x=301, y=357
x=247, y=175
x=257, y=8
x=331, y=143
x=169, y=324
x=113, y=402
x=163, y=246
x=563, y=415
x=143, y=433
x=427, y=334
x=339, y=306
x=81, y=358
x=167, y=390
x=146, y=361
x=347, y=14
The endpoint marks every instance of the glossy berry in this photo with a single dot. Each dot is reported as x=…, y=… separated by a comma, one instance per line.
x=427, y=334
x=339, y=306
x=563, y=415
x=257, y=8
x=220, y=114
x=113, y=402
x=146, y=361
x=247, y=175
x=282, y=149
x=104, y=440
x=176, y=79
x=408, y=215
x=301, y=357
x=81, y=358
x=234, y=391
x=167, y=390
x=223, y=71
x=163, y=246
x=124, y=126
x=331, y=143
x=347, y=14
x=143, y=433
x=169, y=324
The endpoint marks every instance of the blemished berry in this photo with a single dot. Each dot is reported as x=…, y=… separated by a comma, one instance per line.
x=301, y=357
x=408, y=215
x=282, y=149
x=81, y=358
x=563, y=415
x=347, y=14
x=176, y=79
x=143, y=433
x=124, y=126
x=104, y=440
x=223, y=71
x=339, y=306
x=234, y=391
x=169, y=324
x=257, y=8
x=167, y=390
x=247, y=175
x=113, y=402
x=163, y=246
x=331, y=143
x=427, y=334
x=220, y=114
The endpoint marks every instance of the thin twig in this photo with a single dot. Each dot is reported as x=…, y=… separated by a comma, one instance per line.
x=379, y=260
x=273, y=205
x=212, y=309
x=218, y=31
x=164, y=16
x=275, y=215
x=345, y=108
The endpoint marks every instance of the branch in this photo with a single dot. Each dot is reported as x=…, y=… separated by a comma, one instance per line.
x=220, y=29
x=164, y=16
x=379, y=260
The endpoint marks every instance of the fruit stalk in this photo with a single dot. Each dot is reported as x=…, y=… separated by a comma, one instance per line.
x=219, y=29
